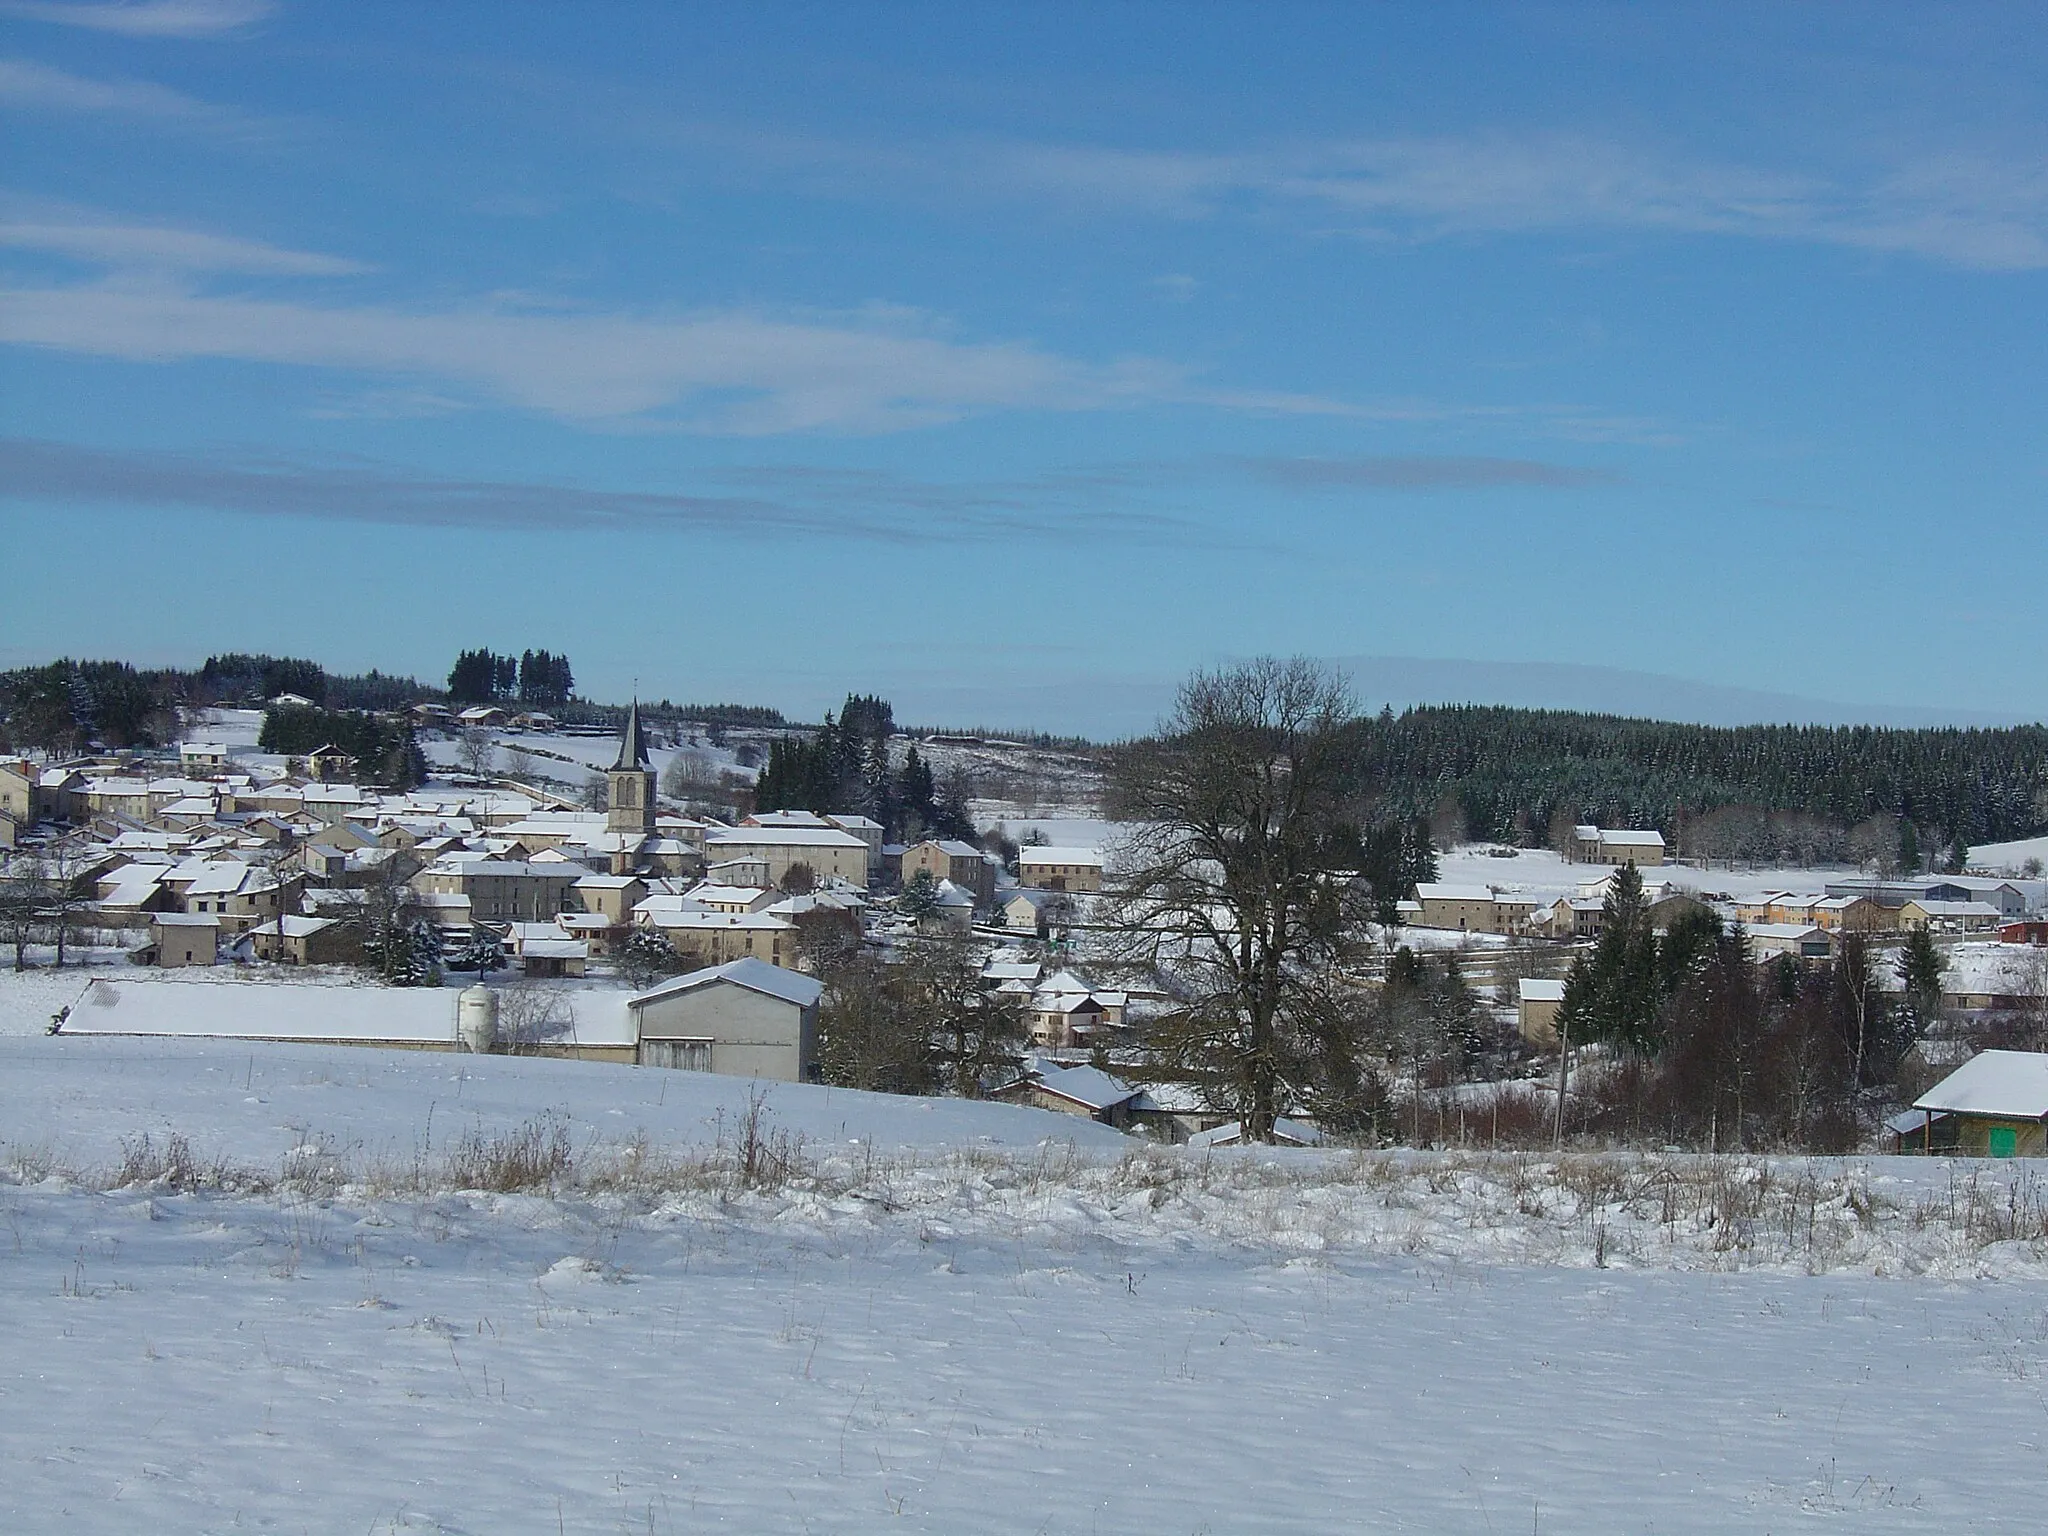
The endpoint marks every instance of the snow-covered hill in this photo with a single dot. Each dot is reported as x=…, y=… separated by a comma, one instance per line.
x=294, y=1307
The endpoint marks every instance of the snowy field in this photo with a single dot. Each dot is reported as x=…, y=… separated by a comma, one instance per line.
x=315, y=1315
x=2010, y=858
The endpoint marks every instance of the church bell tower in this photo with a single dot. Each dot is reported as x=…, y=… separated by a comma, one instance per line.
x=630, y=782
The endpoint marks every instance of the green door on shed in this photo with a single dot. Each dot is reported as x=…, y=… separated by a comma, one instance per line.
x=2002, y=1141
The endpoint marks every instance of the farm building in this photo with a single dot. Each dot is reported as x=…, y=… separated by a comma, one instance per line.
x=744, y=1019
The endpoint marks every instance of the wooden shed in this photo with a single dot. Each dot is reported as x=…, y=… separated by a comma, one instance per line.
x=1993, y=1105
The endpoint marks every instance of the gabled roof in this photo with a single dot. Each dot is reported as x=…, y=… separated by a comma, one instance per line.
x=1087, y=1086
x=2010, y=1084
x=781, y=837
x=754, y=975
x=1441, y=892
x=1047, y=854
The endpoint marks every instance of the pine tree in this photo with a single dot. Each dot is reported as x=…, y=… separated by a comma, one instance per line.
x=648, y=955
x=483, y=952
x=1909, y=847
x=1619, y=989
x=420, y=957
x=920, y=898
x=1920, y=967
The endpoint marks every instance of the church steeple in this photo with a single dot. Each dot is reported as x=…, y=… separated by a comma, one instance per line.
x=630, y=782
x=632, y=742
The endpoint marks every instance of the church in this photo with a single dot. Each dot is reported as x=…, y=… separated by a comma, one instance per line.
x=633, y=840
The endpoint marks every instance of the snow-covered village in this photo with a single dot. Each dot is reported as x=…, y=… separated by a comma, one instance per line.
x=1441, y=926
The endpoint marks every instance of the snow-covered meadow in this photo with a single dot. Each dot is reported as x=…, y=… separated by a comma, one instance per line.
x=313, y=1312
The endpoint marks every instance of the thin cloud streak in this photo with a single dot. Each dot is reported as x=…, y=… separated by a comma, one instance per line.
x=160, y=248
x=25, y=83
x=150, y=18
x=736, y=373
x=1961, y=209
x=1969, y=212
x=1427, y=473
x=860, y=506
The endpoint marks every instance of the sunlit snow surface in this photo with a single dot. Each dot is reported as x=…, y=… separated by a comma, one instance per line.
x=1006, y=1333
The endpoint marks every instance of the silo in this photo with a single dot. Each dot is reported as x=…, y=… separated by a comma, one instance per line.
x=476, y=1019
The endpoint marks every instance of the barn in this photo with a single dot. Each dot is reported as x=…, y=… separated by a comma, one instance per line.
x=746, y=1018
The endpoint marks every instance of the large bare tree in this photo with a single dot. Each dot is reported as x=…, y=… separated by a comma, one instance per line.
x=1234, y=884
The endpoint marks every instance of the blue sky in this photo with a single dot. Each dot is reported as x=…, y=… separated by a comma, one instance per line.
x=1013, y=362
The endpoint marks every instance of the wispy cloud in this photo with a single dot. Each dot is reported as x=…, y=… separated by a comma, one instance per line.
x=160, y=248
x=1426, y=473
x=740, y=373
x=25, y=83
x=147, y=18
x=880, y=369
x=821, y=502
x=1966, y=211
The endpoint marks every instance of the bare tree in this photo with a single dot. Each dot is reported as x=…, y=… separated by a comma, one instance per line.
x=477, y=752
x=24, y=893
x=381, y=913
x=866, y=1037
x=690, y=772
x=1231, y=885
x=976, y=1034
x=67, y=866
x=530, y=1015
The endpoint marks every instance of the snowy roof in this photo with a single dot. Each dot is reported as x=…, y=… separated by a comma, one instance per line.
x=1089, y=1086
x=1427, y=892
x=786, y=819
x=1782, y=930
x=952, y=847
x=1958, y=908
x=2013, y=1084
x=783, y=837
x=709, y=892
x=298, y=1011
x=291, y=926
x=1295, y=1131
x=757, y=921
x=1535, y=990
x=755, y=975
x=483, y=864
x=951, y=895
x=554, y=949
x=1632, y=839
x=1034, y=896
x=1045, y=854
x=184, y=920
